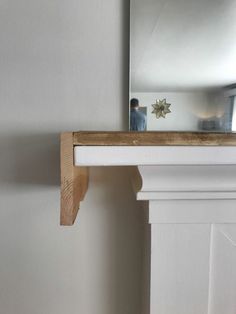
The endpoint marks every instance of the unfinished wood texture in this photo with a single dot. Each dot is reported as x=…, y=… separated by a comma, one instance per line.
x=74, y=181
x=154, y=139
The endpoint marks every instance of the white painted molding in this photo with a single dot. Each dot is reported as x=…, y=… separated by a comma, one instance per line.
x=188, y=178
x=153, y=155
x=189, y=194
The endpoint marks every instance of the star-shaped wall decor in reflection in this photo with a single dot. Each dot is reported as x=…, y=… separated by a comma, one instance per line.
x=161, y=108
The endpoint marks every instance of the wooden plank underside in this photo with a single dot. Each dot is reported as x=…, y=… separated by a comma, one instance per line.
x=153, y=139
x=74, y=181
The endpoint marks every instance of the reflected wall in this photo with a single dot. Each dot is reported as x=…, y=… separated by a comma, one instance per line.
x=183, y=65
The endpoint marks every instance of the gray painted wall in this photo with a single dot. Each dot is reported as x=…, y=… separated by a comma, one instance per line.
x=64, y=66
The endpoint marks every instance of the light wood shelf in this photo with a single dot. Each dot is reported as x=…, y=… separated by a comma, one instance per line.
x=74, y=180
x=154, y=138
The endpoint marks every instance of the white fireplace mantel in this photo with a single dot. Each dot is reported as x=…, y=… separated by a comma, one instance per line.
x=189, y=194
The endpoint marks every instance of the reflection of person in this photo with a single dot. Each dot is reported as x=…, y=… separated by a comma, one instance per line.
x=138, y=120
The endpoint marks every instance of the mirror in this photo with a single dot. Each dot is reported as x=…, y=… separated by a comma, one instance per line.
x=183, y=65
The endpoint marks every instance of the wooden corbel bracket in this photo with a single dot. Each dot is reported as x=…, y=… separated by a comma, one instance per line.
x=74, y=181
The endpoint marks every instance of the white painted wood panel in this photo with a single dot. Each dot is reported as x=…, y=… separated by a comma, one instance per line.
x=192, y=211
x=153, y=155
x=180, y=268
x=222, y=286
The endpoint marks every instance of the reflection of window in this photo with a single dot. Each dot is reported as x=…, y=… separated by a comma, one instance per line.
x=233, y=113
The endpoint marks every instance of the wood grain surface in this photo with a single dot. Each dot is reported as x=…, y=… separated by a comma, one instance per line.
x=74, y=181
x=153, y=138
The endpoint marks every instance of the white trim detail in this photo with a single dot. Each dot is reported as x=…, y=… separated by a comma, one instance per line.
x=153, y=155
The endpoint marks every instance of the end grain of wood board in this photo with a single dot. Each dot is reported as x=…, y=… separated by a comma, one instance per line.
x=74, y=181
x=89, y=138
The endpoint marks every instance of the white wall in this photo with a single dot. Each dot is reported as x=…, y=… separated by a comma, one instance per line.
x=64, y=66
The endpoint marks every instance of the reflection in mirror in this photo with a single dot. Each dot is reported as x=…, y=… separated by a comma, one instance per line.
x=183, y=65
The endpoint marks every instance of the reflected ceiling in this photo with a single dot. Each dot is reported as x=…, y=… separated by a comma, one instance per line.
x=182, y=44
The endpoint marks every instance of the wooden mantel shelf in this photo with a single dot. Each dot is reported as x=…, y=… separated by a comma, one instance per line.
x=153, y=139
x=74, y=177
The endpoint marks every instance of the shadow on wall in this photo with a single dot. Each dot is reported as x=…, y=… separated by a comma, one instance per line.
x=30, y=159
x=117, y=223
